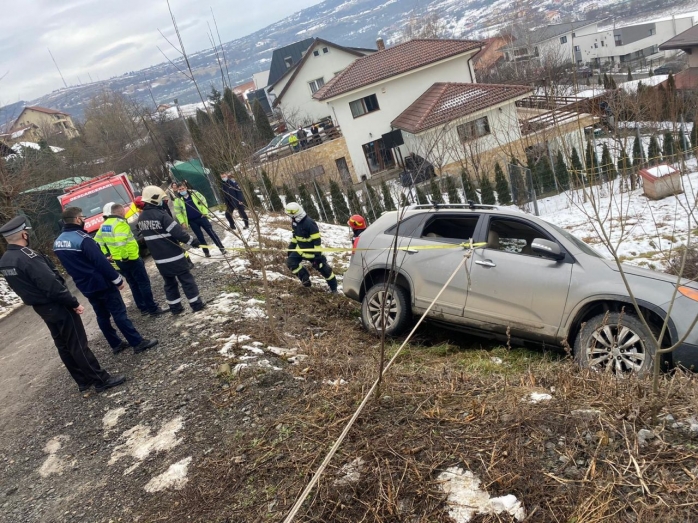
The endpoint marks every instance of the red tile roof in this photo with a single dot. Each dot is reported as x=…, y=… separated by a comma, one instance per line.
x=444, y=102
x=686, y=80
x=393, y=61
x=46, y=110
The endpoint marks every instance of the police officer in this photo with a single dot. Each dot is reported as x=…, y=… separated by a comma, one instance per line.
x=37, y=282
x=191, y=210
x=306, y=235
x=116, y=240
x=98, y=281
x=162, y=236
x=234, y=200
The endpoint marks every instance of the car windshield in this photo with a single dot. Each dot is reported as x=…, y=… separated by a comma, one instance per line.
x=92, y=204
x=276, y=140
x=579, y=243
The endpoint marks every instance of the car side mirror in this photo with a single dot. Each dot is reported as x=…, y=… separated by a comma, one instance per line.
x=547, y=249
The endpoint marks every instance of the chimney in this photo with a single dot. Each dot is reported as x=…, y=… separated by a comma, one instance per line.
x=380, y=44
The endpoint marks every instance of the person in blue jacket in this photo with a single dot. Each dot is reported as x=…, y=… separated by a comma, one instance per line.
x=98, y=281
x=234, y=200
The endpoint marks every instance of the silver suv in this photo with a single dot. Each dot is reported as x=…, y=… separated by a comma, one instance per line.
x=533, y=281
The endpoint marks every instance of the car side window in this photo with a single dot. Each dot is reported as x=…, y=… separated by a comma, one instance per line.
x=514, y=236
x=408, y=226
x=451, y=228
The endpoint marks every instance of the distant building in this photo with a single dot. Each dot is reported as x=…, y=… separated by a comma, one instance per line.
x=36, y=123
x=582, y=42
x=491, y=53
x=293, y=91
x=686, y=80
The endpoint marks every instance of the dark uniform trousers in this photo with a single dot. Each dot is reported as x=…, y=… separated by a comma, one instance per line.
x=241, y=211
x=109, y=304
x=198, y=225
x=320, y=264
x=191, y=291
x=69, y=336
x=137, y=277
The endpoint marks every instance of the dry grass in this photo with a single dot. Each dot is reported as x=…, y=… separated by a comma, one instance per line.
x=446, y=402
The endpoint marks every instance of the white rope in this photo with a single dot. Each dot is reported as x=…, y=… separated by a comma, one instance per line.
x=335, y=447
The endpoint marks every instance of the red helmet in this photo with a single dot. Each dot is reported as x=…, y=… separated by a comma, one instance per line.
x=138, y=200
x=357, y=222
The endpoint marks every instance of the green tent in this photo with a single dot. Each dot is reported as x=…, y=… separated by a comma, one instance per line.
x=197, y=176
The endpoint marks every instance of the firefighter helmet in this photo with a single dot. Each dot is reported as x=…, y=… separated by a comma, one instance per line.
x=357, y=222
x=294, y=211
x=138, y=202
x=106, y=210
x=153, y=194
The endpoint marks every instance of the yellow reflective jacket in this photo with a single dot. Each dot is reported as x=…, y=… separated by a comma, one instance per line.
x=181, y=209
x=115, y=238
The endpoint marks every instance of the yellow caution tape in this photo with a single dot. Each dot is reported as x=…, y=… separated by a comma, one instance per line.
x=464, y=245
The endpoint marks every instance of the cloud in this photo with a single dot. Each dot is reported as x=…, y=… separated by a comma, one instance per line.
x=105, y=38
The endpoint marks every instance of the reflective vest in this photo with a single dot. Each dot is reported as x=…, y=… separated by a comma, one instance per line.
x=181, y=209
x=115, y=238
x=306, y=235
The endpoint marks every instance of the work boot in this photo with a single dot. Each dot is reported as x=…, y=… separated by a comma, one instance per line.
x=207, y=254
x=86, y=387
x=247, y=225
x=158, y=312
x=144, y=346
x=198, y=306
x=222, y=251
x=113, y=381
x=121, y=347
x=178, y=310
x=306, y=283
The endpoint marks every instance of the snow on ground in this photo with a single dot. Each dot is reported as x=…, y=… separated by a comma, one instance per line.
x=175, y=477
x=644, y=232
x=9, y=301
x=466, y=499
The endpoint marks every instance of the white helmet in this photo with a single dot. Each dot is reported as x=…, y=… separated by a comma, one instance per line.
x=106, y=210
x=294, y=211
x=153, y=194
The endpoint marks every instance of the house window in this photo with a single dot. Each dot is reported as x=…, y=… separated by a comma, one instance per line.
x=653, y=32
x=602, y=44
x=472, y=130
x=364, y=106
x=576, y=48
x=655, y=49
x=574, y=34
x=316, y=84
x=288, y=61
x=563, y=39
x=596, y=46
x=536, y=52
x=618, y=39
x=316, y=53
x=325, y=50
x=520, y=52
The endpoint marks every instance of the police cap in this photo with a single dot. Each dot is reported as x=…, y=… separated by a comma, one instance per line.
x=15, y=225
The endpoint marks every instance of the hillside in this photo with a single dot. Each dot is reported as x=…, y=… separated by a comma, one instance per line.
x=349, y=22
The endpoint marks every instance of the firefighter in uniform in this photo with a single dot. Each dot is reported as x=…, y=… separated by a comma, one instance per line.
x=357, y=224
x=162, y=235
x=306, y=235
x=98, y=281
x=36, y=281
x=116, y=239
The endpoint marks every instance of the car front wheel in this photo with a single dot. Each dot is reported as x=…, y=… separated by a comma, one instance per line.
x=615, y=342
x=386, y=307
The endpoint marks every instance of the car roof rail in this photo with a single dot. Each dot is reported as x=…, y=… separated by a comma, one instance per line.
x=470, y=205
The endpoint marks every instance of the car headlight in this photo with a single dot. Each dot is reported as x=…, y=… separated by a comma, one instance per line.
x=689, y=292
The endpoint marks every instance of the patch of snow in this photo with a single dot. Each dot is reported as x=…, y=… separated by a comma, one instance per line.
x=466, y=499
x=350, y=473
x=334, y=383
x=111, y=418
x=660, y=170
x=175, y=477
x=140, y=444
x=538, y=397
x=54, y=464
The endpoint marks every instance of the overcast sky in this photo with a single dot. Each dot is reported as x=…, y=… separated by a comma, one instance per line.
x=105, y=38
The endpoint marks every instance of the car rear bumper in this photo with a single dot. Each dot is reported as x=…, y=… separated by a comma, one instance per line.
x=351, y=287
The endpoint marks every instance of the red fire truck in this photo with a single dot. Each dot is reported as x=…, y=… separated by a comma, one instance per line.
x=93, y=194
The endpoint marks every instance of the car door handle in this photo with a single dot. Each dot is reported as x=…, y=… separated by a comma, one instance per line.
x=486, y=263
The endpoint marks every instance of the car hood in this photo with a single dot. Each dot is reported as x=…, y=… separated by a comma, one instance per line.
x=634, y=270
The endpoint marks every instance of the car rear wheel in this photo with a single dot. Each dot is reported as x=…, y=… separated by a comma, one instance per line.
x=617, y=342
x=392, y=302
